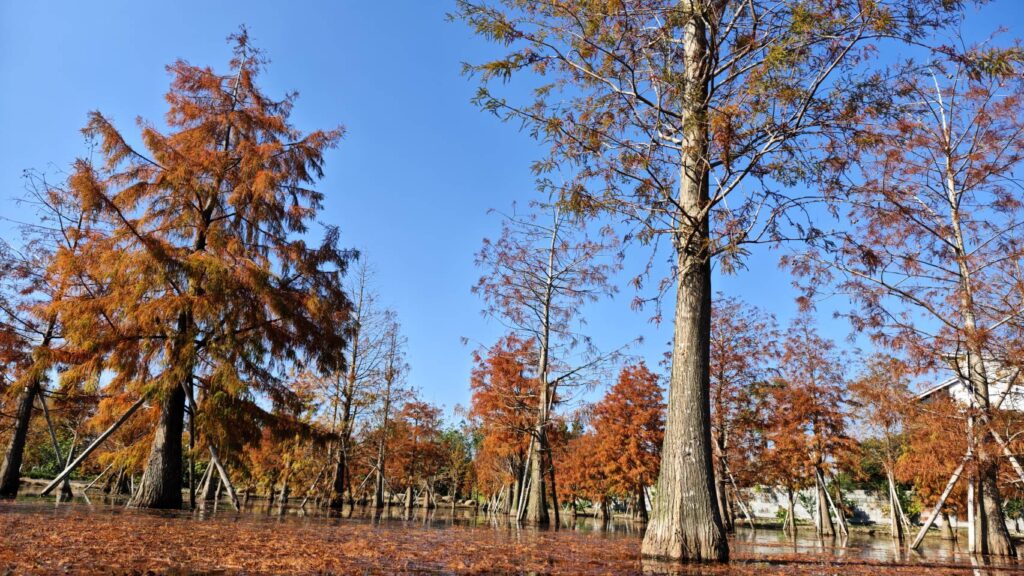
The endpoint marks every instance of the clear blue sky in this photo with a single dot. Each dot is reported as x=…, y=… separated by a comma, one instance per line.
x=412, y=181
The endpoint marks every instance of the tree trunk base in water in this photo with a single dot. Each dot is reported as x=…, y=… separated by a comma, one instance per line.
x=994, y=534
x=10, y=470
x=161, y=482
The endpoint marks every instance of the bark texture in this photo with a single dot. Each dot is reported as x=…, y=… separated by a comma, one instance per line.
x=536, y=498
x=161, y=483
x=685, y=523
x=824, y=520
x=995, y=537
x=10, y=471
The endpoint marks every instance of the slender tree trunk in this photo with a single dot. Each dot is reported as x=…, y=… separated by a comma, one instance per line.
x=993, y=537
x=408, y=497
x=824, y=519
x=378, y=488
x=514, y=495
x=554, y=487
x=834, y=505
x=191, y=454
x=791, y=510
x=947, y=527
x=427, y=504
x=161, y=485
x=721, y=490
x=641, y=505
x=341, y=480
x=10, y=471
x=686, y=524
x=282, y=503
x=895, y=523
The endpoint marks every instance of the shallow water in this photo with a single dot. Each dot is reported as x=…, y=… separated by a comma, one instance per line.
x=862, y=547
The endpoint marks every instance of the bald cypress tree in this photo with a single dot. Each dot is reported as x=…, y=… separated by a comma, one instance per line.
x=210, y=281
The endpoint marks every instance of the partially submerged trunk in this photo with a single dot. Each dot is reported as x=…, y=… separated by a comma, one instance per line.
x=554, y=489
x=378, y=489
x=341, y=480
x=536, y=497
x=428, y=491
x=641, y=505
x=790, y=512
x=514, y=492
x=161, y=482
x=722, y=496
x=604, y=512
x=994, y=537
x=823, y=520
x=686, y=523
x=895, y=520
x=948, y=533
x=282, y=503
x=10, y=470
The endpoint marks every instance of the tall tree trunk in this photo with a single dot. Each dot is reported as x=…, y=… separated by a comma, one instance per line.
x=10, y=471
x=686, y=524
x=161, y=483
x=408, y=497
x=993, y=537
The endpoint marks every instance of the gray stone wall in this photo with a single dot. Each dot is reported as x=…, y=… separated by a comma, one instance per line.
x=766, y=502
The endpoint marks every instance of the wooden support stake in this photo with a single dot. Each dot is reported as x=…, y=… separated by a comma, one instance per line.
x=95, y=444
x=739, y=499
x=938, y=506
x=53, y=438
x=313, y=486
x=224, y=478
x=96, y=479
x=840, y=519
x=225, y=481
x=1014, y=463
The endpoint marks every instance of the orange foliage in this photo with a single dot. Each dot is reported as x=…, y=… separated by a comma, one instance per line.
x=807, y=425
x=504, y=406
x=937, y=442
x=415, y=451
x=629, y=423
